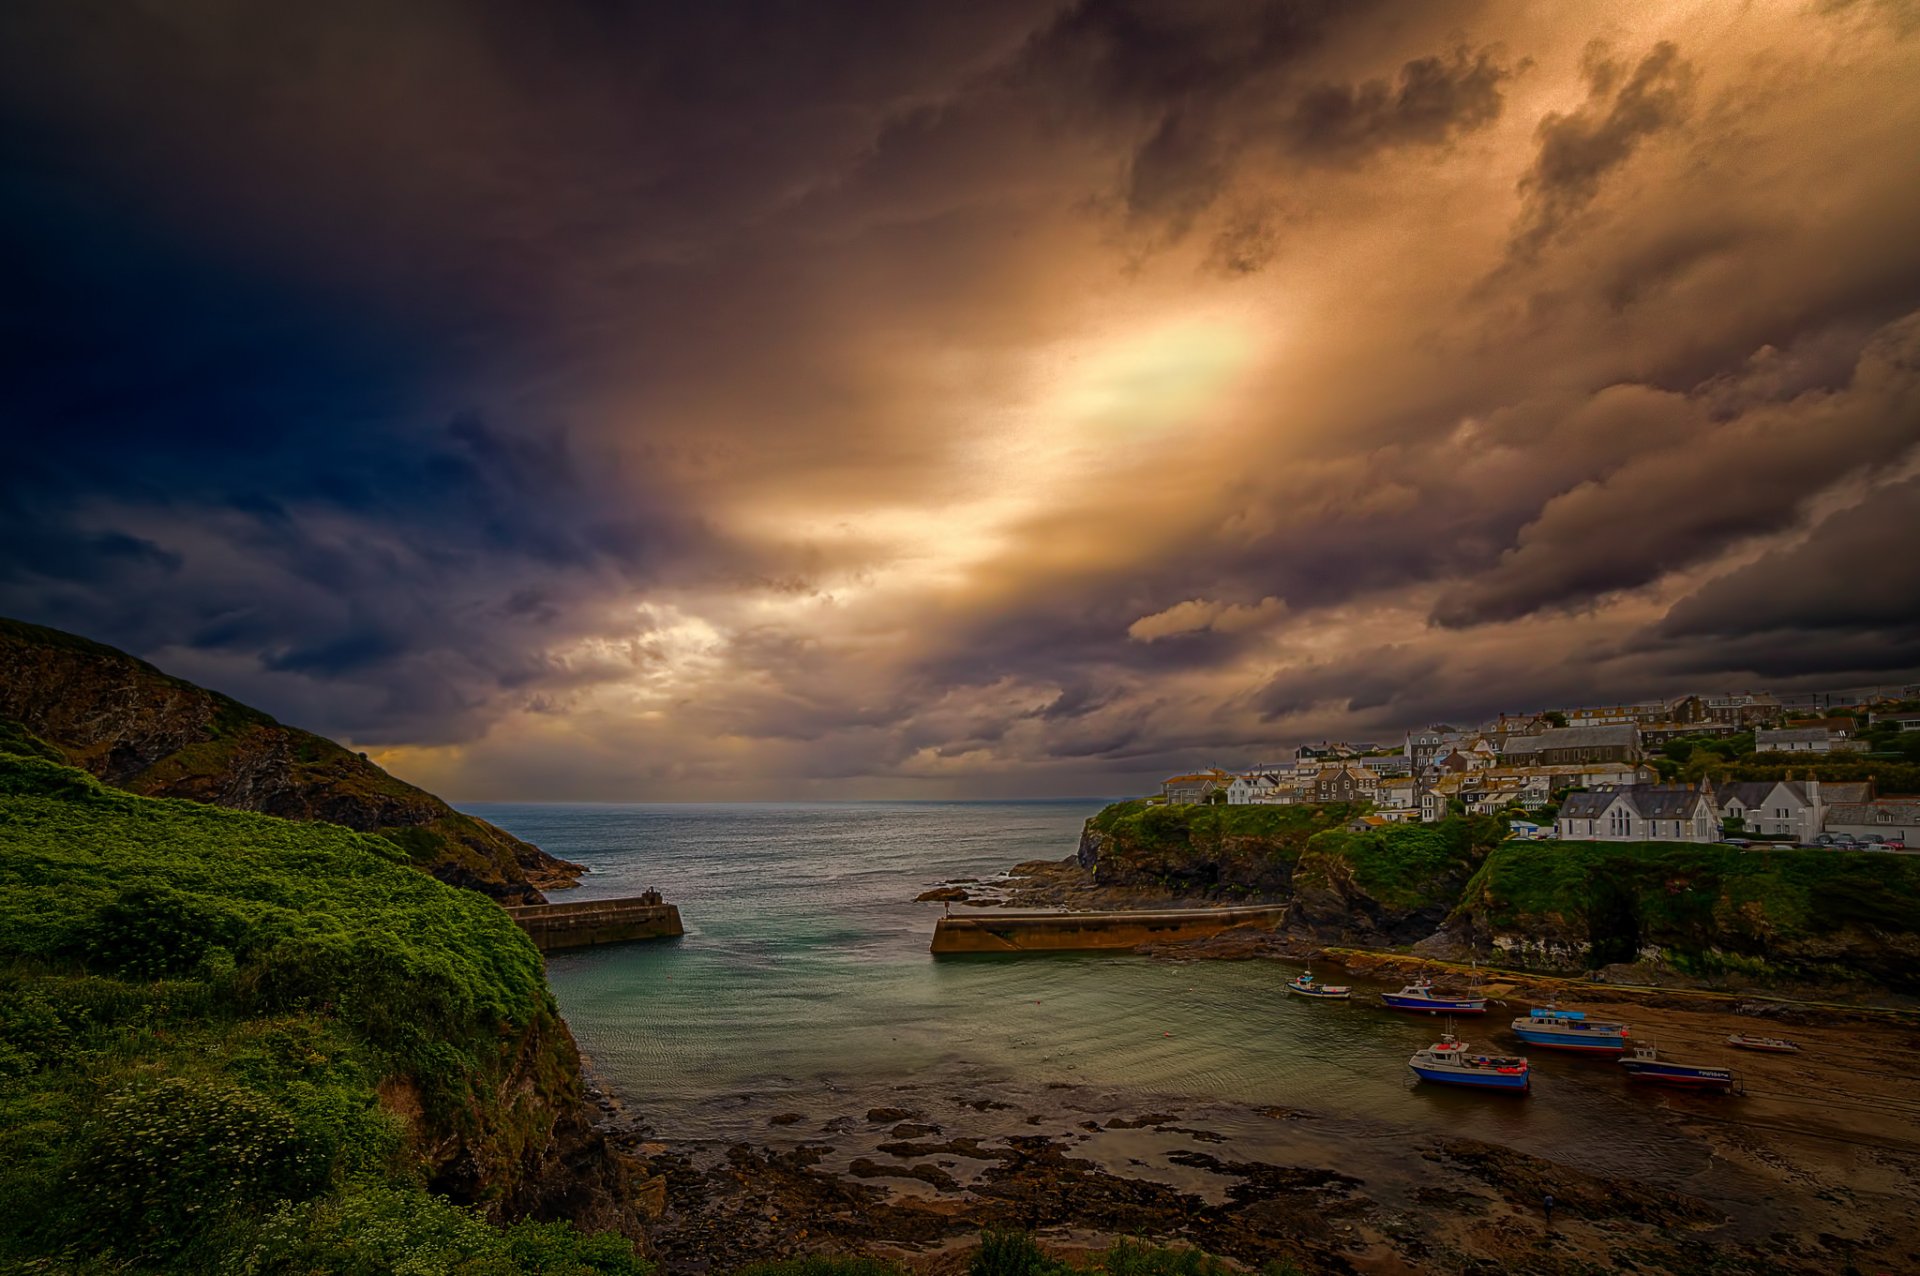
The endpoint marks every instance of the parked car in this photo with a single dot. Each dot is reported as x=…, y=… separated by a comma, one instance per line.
x=1735, y=841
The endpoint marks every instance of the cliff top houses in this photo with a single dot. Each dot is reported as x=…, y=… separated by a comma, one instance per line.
x=1594, y=761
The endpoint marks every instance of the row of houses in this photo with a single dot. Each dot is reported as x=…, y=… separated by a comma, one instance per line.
x=1799, y=809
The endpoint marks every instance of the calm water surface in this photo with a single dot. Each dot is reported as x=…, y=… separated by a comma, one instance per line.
x=804, y=979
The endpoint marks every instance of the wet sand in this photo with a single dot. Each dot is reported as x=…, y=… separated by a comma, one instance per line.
x=1815, y=1169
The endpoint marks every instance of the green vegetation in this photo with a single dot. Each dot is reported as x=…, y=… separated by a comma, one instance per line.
x=200, y=1013
x=1017, y=1254
x=70, y=700
x=1790, y=913
x=1206, y=829
x=1403, y=866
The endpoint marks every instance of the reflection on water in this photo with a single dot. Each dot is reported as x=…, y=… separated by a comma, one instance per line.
x=804, y=974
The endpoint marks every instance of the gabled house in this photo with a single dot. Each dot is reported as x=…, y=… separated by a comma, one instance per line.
x=1773, y=808
x=1255, y=788
x=1345, y=783
x=1198, y=787
x=1640, y=813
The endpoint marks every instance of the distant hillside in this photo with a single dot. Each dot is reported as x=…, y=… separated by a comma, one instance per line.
x=142, y=730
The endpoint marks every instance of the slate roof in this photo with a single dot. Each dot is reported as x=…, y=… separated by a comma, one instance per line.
x=1753, y=794
x=1574, y=738
x=1649, y=802
x=1837, y=791
x=1791, y=735
x=1897, y=810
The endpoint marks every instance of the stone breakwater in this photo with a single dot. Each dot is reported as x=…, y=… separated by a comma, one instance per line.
x=1070, y=932
x=597, y=921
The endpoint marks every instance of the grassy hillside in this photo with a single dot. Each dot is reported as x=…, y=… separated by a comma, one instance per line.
x=1706, y=908
x=140, y=729
x=1401, y=866
x=1219, y=852
x=234, y=1042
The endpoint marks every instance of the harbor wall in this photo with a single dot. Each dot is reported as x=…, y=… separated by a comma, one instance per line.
x=1071, y=932
x=596, y=921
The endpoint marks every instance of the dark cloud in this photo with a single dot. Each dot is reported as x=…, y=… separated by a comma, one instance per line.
x=1013, y=397
x=1857, y=572
x=1433, y=100
x=1665, y=508
x=1579, y=149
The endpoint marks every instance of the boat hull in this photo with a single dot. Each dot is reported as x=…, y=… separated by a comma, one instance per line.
x=1322, y=995
x=1678, y=1074
x=1433, y=1005
x=1476, y=1079
x=1581, y=1043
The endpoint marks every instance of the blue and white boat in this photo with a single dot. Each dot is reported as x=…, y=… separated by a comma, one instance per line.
x=1647, y=1065
x=1305, y=985
x=1448, y=1062
x=1558, y=1029
x=1419, y=998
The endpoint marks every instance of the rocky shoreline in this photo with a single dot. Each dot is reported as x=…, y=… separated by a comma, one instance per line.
x=917, y=1178
x=913, y=1172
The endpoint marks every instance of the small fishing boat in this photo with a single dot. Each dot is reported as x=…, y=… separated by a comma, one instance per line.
x=1448, y=1062
x=1558, y=1029
x=1419, y=998
x=1767, y=1045
x=1646, y=1065
x=1305, y=985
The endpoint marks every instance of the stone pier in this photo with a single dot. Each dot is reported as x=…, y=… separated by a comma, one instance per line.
x=1070, y=932
x=597, y=921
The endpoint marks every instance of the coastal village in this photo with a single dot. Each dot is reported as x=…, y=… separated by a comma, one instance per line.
x=1650, y=771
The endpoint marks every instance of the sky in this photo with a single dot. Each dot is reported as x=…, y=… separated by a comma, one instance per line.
x=601, y=401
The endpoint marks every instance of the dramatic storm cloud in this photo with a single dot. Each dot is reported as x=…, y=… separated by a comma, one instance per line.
x=603, y=400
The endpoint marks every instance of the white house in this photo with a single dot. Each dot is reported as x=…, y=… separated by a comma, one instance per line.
x=1800, y=740
x=1884, y=817
x=1640, y=813
x=1791, y=808
x=1253, y=788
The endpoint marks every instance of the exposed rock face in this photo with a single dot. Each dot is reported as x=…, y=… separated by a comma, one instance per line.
x=530, y=1149
x=139, y=729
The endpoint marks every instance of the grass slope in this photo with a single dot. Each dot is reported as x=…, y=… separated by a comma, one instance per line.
x=199, y=1011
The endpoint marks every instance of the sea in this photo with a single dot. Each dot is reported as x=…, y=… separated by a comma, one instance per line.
x=804, y=986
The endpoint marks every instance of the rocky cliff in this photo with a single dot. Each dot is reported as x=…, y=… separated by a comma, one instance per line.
x=1394, y=885
x=1204, y=852
x=141, y=730
x=1701, y=910
x=1456, y=889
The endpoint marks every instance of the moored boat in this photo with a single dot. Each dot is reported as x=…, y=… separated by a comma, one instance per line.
x=1767, y=1045
x=1305, y=985
x=1645, y=1064
x=1558, y=1029
x=1420, y=998
x=1448, y=1062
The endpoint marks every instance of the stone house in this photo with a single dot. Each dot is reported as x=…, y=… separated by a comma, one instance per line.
x=1566, y=745
x=1345, y=783
x=1640, y=813
x=1198, y=787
